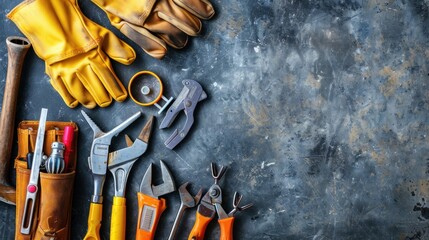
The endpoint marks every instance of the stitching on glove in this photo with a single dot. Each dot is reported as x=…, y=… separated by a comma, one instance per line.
x=91, y=45
x=147, y=10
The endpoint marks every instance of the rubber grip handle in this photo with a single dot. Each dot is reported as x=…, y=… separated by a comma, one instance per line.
x=94, y=221
x=200, y=225
x=226, y=225
x=150, y=210
x=119, y=218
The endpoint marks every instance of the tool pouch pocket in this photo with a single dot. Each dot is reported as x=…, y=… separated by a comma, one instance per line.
x=55, y=203
x=52, y=215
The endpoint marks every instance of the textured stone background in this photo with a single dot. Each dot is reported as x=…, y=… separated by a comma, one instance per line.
x=318, y=108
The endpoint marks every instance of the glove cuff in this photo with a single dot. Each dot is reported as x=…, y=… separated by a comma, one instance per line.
x=53, y=27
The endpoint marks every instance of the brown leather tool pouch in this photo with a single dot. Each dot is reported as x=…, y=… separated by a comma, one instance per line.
x=52, y=216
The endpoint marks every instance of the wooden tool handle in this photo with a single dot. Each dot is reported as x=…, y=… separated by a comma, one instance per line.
x=150, y=210
x=226, y=227
x=197, y=232
x=17, y=48
x=119, y=218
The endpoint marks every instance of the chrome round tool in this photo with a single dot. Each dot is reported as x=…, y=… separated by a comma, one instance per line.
x=55, y=162
x=145, y=89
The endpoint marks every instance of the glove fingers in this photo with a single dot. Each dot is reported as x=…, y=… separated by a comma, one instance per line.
x=203, y=9
x=118, y=50
x=151, y=44
x=107, y=84
x=115, y=48
x=172, y=35
x=179, y=17
x=59, y=86
x=73, y=92
x=187, y=24
x=94, y=86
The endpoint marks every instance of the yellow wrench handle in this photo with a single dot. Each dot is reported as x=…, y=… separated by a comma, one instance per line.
x=94, y=221
x=119, y=218
x=201, y=222
x=150, y=210
x=226, y=226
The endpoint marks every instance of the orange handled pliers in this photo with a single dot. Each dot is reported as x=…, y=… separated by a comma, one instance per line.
x=206, y=209
x=212, y=203
x=226, y=221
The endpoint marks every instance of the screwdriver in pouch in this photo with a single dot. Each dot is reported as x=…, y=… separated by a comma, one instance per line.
x=30, y=156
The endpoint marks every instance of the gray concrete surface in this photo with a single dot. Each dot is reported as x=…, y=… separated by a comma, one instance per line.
x=318, y=108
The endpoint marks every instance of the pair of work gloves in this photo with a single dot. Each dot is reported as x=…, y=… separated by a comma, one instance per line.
x=76, y=50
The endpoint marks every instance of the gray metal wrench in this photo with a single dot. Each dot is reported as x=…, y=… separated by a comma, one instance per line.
x=97, y=162
x=186, y=201
x=120, y=163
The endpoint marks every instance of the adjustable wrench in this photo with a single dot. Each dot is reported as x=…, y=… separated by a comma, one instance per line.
x=120, y=164
x=186, y=201
x=97, y=162
x=150, y=206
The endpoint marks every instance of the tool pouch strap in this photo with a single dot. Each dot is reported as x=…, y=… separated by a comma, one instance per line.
x=52, y=216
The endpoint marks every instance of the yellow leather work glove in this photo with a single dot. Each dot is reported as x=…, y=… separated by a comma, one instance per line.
x=76, y=51
x=153, y=23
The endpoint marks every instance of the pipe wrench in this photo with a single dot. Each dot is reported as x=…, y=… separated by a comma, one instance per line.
x=120, y=164
x=97, y=162
x=187, y=100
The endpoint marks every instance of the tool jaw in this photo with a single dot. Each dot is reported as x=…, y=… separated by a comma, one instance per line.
x=146, y=184
x=186, y=198
x=147, y=130
x=206, y=208
x=168, y=184
x=187, y=100
x=128, y=154
x=100, y=145
x=217, y=175
x=212, y=200
x=166, y=187
x=236, y=205
x=97, y=131
x=220, y=211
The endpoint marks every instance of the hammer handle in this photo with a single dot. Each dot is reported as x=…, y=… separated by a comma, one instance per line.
x=17, y=48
